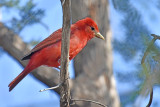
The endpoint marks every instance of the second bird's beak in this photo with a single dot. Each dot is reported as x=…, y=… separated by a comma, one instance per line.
x=98, y=35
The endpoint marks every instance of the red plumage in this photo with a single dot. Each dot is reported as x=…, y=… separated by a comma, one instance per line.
x=48, y=52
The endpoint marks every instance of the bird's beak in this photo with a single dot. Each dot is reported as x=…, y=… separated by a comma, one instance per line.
x=98, y=35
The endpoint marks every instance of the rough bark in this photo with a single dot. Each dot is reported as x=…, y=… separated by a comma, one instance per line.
x=93, y=66
x=64, y=74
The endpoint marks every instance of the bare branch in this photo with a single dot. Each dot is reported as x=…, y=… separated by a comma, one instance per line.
x=51, y=88
x=155, y=36
x=91, y=101
x=64, y=74
x=151, y=98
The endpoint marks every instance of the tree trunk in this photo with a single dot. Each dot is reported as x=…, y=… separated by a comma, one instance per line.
x=93, y=66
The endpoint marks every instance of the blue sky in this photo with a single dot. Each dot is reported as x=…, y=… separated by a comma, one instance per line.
x=27, y=91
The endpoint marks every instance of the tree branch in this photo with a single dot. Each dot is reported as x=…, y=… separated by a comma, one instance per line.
x=51, y=88
x=91, y=101
x=151, y=98
x=64, y=74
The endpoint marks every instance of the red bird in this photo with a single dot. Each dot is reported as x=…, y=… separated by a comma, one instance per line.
x=48, y=52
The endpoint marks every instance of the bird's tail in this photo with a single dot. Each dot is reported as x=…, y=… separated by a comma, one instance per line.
x=26, y=71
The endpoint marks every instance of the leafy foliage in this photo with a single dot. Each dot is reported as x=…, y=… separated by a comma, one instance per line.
x=10, y=3
x=29, y=15
x=150, y=66
x=137, y=39
x=135, y=30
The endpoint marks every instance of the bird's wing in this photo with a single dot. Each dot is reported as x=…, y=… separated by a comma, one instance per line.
x=53, y=38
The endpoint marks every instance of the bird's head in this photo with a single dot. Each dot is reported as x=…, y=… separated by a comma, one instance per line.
x=91, y=28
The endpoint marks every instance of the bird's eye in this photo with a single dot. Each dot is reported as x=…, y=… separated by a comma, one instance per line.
x=92, y=28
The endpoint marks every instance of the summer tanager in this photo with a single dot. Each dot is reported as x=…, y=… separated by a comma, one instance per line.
x=48, y=52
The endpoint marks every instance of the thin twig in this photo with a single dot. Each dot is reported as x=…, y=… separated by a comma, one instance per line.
x=155, y=36
x=151, y=98
x=51, y=88
x=55, y=87
x=91, y=101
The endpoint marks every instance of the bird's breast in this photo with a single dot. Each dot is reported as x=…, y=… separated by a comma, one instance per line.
x=76, y=45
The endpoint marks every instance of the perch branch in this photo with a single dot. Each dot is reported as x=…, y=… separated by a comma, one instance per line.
x=91, y=101
x=64, y=74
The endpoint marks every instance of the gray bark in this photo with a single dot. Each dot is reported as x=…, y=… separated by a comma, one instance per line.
x=64, y=74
